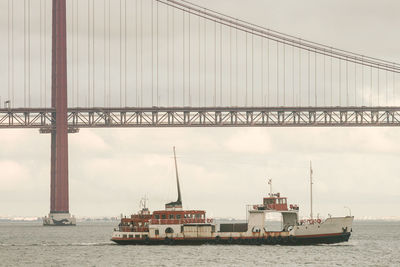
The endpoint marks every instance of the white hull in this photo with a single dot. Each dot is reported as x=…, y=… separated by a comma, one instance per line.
x=332, y=230
x=332, y=225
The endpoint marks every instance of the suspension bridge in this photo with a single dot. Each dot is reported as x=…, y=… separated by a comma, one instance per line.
x=172, y=63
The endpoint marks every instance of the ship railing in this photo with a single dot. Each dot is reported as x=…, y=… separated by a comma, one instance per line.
x=257, y=207
x=133, y=229
x=310, y=221
x=176, y=221
x=271, y=207
x=264, y=207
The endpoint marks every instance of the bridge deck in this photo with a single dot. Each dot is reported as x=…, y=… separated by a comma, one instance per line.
x=43, y=118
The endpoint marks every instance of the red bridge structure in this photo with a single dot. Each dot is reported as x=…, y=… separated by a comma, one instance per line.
x=59, y=201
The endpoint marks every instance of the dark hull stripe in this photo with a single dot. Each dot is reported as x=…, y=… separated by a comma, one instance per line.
x=320, y=235
x=304, y=240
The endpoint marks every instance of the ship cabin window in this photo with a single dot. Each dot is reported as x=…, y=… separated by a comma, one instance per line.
x=157, y=232
x=169, y=230
x=163, y=216
x=124, y=236
x=198, y=216
x=269, y=201
x=178, y=216
x=157, y=216
x=130, y=236
x=171, y=216
x=281, y=201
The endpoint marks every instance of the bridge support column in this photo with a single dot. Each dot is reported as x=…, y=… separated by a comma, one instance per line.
x=59, y=201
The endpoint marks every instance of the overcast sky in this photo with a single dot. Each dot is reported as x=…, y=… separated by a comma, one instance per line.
x=221, y=170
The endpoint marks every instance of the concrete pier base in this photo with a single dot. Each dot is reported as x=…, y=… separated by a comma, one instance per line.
x=59, y=219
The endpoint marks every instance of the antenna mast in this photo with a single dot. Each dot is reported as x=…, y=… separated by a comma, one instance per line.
x=177, y=180
x=270, y=187
x=311, y=194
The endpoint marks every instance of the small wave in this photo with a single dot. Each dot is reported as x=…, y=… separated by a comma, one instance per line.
x=59, y=245
x=335, y=245
x=20, y=245
x=93, y=244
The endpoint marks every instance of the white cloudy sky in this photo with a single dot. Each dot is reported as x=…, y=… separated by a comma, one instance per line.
x=221, y=170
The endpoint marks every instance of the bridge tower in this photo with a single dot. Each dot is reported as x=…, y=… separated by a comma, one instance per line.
x=59, y=201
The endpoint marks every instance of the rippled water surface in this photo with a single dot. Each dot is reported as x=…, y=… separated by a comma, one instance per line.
x=21, y=244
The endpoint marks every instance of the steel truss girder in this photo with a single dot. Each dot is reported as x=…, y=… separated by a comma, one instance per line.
x=204, y=117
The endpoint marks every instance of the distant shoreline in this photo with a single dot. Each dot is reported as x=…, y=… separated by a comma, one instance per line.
x=116, y=219
x=39, y=219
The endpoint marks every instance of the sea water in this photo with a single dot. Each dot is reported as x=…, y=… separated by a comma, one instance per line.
x=373, y=243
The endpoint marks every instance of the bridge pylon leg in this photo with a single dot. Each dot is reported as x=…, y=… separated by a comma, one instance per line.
x=59, y=200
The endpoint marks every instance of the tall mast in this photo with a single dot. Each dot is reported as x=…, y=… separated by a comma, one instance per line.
x=270, y=187
x=311, y=195
x=177, y=180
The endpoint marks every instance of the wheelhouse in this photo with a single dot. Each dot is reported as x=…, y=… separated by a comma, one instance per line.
x=275, y=202
x=137, y=222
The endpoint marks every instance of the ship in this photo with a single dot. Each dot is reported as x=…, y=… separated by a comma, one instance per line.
x=177, y=226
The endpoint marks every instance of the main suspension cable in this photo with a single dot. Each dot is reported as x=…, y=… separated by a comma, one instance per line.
x=281, y=37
